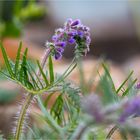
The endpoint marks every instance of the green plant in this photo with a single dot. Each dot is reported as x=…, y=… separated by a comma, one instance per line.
x=74, y=114
x=36, y=83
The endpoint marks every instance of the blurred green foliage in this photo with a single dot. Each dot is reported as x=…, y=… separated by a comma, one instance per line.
x=7, y=96
x=14, y=13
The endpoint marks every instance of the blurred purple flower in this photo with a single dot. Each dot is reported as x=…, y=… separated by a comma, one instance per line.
x=138, y=86
x=130, y=108
x=80, y=33
x=93, y=106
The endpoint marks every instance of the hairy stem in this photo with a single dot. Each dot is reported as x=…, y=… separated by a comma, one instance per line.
x=22, y=115
x=23, y=112
x=44, y=59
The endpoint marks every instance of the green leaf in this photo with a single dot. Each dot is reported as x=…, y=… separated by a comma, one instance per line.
x=69, y=71
x=23, y=77
x=48, y=117
x=18, y=58
x=73, y=94
x=51, y=70
x=6, y=60
x=57, y=109
x=124, y=82
x=108, y=75
x=42, y=73
x=34, y=83
x=37, y=77
x=66, y=73
x=106, y=87
x=129, y=88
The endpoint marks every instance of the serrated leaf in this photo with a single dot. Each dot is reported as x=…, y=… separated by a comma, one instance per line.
x=57, y=109
x=51, y=72
x=73, y=94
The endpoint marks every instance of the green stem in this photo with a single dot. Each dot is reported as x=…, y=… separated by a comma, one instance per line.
x=22, y=116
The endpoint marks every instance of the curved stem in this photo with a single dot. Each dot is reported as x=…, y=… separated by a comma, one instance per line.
x=22, y=116
x=28, y=100
x=111, y=132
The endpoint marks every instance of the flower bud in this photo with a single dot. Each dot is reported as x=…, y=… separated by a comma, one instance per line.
x=76, y=22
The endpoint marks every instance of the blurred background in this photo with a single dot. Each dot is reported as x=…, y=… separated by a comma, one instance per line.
x=115, y=32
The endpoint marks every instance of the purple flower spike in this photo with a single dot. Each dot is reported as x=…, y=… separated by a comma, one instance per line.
x=73, y=33
x=76, y=22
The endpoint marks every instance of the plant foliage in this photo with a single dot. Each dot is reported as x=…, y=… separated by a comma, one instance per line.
x=72, y=116
x=24, y=74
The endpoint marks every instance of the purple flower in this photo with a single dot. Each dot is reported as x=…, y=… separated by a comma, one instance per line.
x=86, y=29
x=58, y=55
x=73, y=32
x=80, y=33
x=130, y=108
x=93, y=106
x=61, y=44
x=59, y=49
x=71, y=40
x=54, y=38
